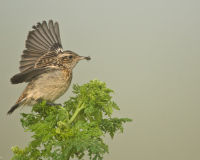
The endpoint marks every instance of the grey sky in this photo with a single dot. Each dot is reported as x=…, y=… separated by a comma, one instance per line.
x=148, y=52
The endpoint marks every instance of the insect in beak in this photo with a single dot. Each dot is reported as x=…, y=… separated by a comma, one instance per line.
x=82, y=57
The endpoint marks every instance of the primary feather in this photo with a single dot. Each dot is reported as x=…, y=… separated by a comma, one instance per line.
x=42, y=40
x=30, y=74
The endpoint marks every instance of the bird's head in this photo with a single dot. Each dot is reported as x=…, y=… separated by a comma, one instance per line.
x=69, y=59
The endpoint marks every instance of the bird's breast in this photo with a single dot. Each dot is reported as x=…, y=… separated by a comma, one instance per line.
x=50, y=86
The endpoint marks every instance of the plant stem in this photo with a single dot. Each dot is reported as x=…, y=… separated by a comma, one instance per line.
x=68, y=155
x=79, y=108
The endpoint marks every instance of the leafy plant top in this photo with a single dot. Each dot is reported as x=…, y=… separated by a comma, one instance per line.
x=73, y=130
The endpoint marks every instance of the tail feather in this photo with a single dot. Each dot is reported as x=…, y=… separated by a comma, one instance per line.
x=13, y=108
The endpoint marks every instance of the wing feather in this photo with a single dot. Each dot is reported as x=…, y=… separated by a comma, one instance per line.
x=30, y=74
x=57, y=32
x=43, y=40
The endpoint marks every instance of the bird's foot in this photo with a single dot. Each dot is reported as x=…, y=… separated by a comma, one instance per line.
x=53, y=104
x=49, y=103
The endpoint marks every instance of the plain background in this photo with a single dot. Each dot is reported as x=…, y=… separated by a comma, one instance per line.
x=147, y=51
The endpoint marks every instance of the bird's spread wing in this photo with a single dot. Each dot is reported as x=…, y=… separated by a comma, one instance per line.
x=43, y=45
x=30, y=74
x=43, y=42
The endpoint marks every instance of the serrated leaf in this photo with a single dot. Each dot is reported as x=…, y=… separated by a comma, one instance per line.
x=73, y=129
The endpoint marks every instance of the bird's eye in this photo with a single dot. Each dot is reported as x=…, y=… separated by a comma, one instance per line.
x=70, y=57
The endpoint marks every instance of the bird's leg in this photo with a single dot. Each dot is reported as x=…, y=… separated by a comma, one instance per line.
x=49, y=103
x=55, y=104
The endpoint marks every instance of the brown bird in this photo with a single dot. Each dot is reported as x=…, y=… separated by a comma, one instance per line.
x=45, y=65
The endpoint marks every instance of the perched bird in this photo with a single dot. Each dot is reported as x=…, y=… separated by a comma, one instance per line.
x=45, y=65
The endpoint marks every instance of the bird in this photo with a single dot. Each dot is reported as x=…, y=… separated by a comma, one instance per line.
x=44, y=66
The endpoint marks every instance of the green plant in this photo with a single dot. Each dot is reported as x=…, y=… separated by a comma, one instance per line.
x=71, y=130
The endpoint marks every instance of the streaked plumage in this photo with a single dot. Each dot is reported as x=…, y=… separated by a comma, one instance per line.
x=45, y=65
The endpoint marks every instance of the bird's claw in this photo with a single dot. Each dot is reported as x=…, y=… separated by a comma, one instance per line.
x=50, y=104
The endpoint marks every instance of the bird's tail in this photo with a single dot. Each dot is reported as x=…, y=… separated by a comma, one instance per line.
x=13, y=108
x=17, y=105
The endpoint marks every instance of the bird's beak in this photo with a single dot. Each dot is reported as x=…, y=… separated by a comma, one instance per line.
x=82, y=57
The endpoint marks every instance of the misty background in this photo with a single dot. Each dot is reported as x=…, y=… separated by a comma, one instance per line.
x=148, y=52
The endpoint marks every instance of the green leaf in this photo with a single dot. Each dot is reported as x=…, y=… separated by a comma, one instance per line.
x=74, y=129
